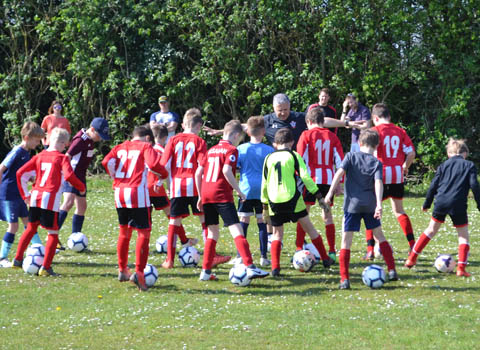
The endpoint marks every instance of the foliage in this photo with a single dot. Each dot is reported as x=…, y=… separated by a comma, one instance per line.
x=114, y=58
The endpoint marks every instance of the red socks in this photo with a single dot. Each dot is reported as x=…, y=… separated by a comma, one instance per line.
x=344, y=261
x=419, y=246
x=172, y=229
x=463, y=256
x=180, y=231
x=124, y=236
x=370, y=240
x=204, y=231
x=243, y=248
x=275, y=249
x=330, y=233
x=209, y=253
x=318, y=243
x=141, y=250
x=50, y=248
x=300, y=237
x=25, y=240
x=407, y=229
x=387, y=253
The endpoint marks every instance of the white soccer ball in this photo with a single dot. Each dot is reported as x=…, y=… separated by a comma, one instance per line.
x=312, y=249
x=77, y=242
x=32, y=263
x=238, y=275
x=151, y=275
x=269, y=244
x=376, y=251
x=36, y=249
x=189, y=256
x=445, y=263
x=161, y=244
x=303, y=260
x=373, y=276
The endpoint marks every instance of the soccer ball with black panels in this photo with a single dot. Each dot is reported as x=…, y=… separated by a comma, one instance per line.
x=189, y=256
x=36, y=249
x=77, y=242
x=374, y=276
x=238, y=275
x=161, y=244
x=151, y=275
x=32, y=263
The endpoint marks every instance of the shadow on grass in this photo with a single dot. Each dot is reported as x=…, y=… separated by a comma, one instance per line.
x=85, y=264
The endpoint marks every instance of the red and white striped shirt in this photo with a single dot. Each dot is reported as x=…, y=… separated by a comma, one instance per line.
x=322, y=151
x=183, y=154
x=394, y=145
x=153, y=179
x=127, y=164
x=51, y=168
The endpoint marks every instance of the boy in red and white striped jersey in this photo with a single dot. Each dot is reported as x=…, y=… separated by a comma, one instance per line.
x=127, y=165
x=396, y=152
x=51, y=168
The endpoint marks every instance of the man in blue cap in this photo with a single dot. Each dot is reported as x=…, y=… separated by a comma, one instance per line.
x=81, y=153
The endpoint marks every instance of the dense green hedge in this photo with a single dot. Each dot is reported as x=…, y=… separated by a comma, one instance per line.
x=114, y=58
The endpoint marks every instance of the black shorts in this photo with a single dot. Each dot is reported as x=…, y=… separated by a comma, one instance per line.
x=67, y=187
x=134, y=217
x=227, y=211
x=280, y=219
x=458, y=220
x=250, y=207
x=160, y=203
x=48, y=219
x=311, y=199
x=179, y=207
x=395, y=191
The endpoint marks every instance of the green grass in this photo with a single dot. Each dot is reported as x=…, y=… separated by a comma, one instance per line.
x=87, y=308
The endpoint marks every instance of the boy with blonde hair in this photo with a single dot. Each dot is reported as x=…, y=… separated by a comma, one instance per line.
x=450, y=186
x=49, y=167
x=216, y=181
x=12, y=205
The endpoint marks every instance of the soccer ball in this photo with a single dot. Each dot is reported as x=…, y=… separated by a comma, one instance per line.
x=77, y=242
x=311, y=248
x=303, y=260
x=445, y=263
x=189, y=257
x=269, y=244
x=238, y=275
x=161, y=244
x=373, y=276
x=151, y=275
x=36, y=249
x=32, y=263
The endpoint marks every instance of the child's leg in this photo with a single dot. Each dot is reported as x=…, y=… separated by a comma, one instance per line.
x=463, y=249
x=124, y=236
x=314, y=236
x=329, y=230
x=204, y=227
x=173, y=226
x=50, y=248
x=25, y=239
x=210, y=247
x=344, y=258
x=276, y=246
x=36, y=238
x=241, y=244
x=370, y=244
x=403, y=220
x=422, y=242
x=68, y=201
x=141, y=249
x=79, y=216
x=244, y=222
x=8, y=239
x=300, y=239
x=385, y=248
x=262, y=237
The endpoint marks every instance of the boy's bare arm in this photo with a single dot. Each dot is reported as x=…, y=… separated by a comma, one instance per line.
x=408, y=161
x=198, y=184
x=228, y=172
x=336, y=180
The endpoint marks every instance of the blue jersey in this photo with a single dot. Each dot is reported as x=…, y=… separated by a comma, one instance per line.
x=165, y=118
x=250, y=162
x=14, y=160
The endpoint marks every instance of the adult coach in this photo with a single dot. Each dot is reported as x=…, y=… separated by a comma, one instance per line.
x=354, y=111
x=328, y=110
x=165, y=117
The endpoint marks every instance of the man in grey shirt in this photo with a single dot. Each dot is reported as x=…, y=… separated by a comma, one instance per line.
x=363, y=200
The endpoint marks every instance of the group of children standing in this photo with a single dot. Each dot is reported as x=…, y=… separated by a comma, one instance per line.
x=277, y=185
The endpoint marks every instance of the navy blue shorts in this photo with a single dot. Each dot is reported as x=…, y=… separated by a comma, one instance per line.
x=227, y=211
x=458, y=220
x=67, y=187
x=250, y=207
x=10, y=211
x=351, y=221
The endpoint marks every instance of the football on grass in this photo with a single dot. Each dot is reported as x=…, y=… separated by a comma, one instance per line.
x=445, y=263
x=238, y=275
x=303, y=260
x=77, y=242
x=36, y=249
x=151, y=275
x=161, y=244
x=373, y=276
x=189, y=257
x=31, y=264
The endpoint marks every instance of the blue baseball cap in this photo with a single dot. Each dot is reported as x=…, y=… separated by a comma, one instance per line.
x=101, y=126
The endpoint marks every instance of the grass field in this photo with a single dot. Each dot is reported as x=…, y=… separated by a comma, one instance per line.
x=87, y=308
